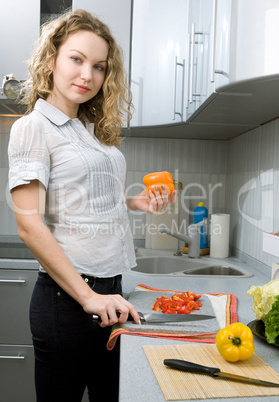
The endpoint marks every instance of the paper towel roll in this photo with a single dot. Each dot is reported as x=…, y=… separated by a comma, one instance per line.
x=275, y=271
x=220, y=233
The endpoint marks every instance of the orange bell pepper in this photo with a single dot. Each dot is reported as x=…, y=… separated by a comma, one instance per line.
x=158, y=179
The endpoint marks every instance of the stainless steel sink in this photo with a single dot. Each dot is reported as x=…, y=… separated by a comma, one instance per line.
x=219, y=270
x=181, y=266
x=165, y=265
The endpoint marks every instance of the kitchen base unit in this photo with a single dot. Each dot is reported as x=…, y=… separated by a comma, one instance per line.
x=17, y=373
x=16, y=350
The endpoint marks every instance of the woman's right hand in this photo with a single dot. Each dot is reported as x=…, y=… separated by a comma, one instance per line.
x=107, y=306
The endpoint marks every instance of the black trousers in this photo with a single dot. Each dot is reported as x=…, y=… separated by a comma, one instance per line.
x=70, y=349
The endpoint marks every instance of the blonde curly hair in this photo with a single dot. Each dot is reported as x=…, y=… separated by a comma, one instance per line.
x=113, y=103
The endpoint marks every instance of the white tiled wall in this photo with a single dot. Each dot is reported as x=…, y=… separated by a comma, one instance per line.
x=241, y=174
x=252, y=189
x=199, y=165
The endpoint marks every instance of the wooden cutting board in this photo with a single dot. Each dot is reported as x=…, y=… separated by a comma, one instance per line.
x=180, y=385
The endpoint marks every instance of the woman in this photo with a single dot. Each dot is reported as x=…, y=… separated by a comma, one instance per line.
x=66, y=179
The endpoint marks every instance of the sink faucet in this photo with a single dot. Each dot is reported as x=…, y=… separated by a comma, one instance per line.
x=193, y=238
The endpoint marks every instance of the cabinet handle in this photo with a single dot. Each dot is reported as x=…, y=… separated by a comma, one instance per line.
x=191, y=64
x=12, y=280
x=188, y=69
x=222, y=72
x=174, y=89
x=175, y=84
x=213, y=41
x=13, y=357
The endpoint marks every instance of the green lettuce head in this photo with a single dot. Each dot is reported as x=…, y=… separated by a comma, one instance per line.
x=271, y=323
x=263, y=298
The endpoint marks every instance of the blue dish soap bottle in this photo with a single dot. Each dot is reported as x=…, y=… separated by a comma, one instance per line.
x=200, y=213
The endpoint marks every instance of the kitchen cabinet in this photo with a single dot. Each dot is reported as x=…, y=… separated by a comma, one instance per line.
x=208, y=44
x=158, y=61
x=19, y=28
x=16, y=367
x=230, y=42
x=254, y=39
x=16, y=350
x=201, y=88
x=175, y=69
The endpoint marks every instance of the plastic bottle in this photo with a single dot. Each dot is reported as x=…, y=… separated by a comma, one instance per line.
x=200, y=214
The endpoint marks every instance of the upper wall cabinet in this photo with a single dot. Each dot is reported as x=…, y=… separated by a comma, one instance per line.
x=180, y=53
x=158, y=61
x=19, y=28
x=208, y=56
x=254, y=39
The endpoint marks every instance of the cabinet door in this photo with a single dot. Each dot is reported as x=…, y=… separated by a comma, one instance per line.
x=209, y=50
x=158, y=61
x=221, y=44
x=17, y=377
x=201, y=14
x=255, y=33
x=19, y=28
x=16, y=287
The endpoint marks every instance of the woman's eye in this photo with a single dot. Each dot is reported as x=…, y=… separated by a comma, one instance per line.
x=76, y=59
x=99, y=68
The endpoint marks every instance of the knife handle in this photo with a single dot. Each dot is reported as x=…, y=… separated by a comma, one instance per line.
x=192, y=367
x=97, y=318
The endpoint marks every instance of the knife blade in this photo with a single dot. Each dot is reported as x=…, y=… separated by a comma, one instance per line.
x=161, y=318
x=214, y=372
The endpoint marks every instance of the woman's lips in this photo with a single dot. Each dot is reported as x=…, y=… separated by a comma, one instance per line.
x=82, y=88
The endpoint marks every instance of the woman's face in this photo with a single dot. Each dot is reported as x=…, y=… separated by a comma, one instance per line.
x=79, y=71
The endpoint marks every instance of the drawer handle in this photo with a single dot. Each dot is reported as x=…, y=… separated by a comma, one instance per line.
x=13, y=357
x=12, y=280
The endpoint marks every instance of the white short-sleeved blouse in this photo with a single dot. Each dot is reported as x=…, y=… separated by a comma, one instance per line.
x=85, y=204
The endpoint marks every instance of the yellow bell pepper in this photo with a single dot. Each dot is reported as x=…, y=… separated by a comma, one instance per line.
x=235, y=342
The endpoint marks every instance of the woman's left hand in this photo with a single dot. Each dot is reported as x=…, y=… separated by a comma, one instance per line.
x=151, y=203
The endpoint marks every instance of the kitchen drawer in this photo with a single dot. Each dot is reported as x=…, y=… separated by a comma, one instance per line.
x=17, y=373
x=16, y=288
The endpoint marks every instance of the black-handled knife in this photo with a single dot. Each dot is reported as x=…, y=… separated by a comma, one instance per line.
x=213, y=372
x=97, y=318
x=160, y=318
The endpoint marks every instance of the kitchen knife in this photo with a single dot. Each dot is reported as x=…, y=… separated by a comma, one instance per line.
x=213, y=372
x=161, y=318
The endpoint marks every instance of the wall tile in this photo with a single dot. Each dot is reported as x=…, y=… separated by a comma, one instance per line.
x=214, y=156
x=146, y=154
x=252, y=189
x=240, y=177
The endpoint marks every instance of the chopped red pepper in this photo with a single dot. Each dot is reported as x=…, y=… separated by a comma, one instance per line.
x=179, y=303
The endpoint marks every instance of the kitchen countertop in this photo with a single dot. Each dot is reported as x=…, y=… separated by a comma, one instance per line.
x=137, y=381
